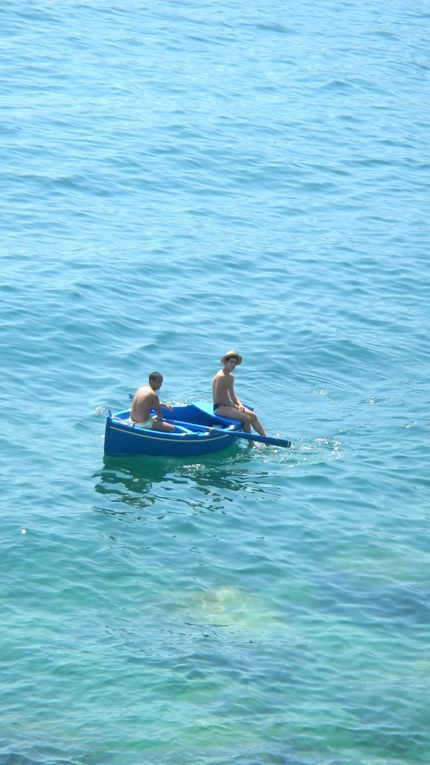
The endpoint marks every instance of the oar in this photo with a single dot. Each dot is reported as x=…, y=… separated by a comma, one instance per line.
x=236, y=433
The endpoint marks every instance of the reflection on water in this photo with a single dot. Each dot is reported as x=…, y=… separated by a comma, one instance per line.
x=131, y=480
x=137, y=483
x=134, y=483
x=130, y=484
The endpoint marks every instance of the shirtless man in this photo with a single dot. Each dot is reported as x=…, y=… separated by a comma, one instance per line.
x=225, y=401
x=146, y=399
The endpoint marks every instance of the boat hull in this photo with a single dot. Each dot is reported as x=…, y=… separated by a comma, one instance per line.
x=123, y=438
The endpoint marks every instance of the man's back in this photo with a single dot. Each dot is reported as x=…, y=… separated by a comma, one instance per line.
x=143, y=400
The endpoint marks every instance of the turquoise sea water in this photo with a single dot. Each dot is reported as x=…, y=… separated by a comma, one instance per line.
x=179, y=178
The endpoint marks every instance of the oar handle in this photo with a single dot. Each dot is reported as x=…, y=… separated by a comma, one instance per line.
x=259, y=439
x=236, y=434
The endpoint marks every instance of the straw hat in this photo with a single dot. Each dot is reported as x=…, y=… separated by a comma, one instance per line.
x=227, y=355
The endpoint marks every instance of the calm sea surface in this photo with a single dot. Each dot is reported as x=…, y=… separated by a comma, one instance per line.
x=179, y=178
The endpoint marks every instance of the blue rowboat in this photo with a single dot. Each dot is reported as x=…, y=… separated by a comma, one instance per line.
x=190, y=439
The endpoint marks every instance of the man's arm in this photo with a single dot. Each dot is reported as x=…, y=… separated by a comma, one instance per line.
x=232, y=395
x=156, y=405
x=237, y=403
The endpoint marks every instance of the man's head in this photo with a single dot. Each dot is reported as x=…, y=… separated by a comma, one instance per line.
x=155, y=380
x=231, y=358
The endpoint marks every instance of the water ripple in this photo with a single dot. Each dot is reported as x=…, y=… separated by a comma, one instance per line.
x=178, y=180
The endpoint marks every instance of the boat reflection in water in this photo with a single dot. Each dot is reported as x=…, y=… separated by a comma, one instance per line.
x=129, y=484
